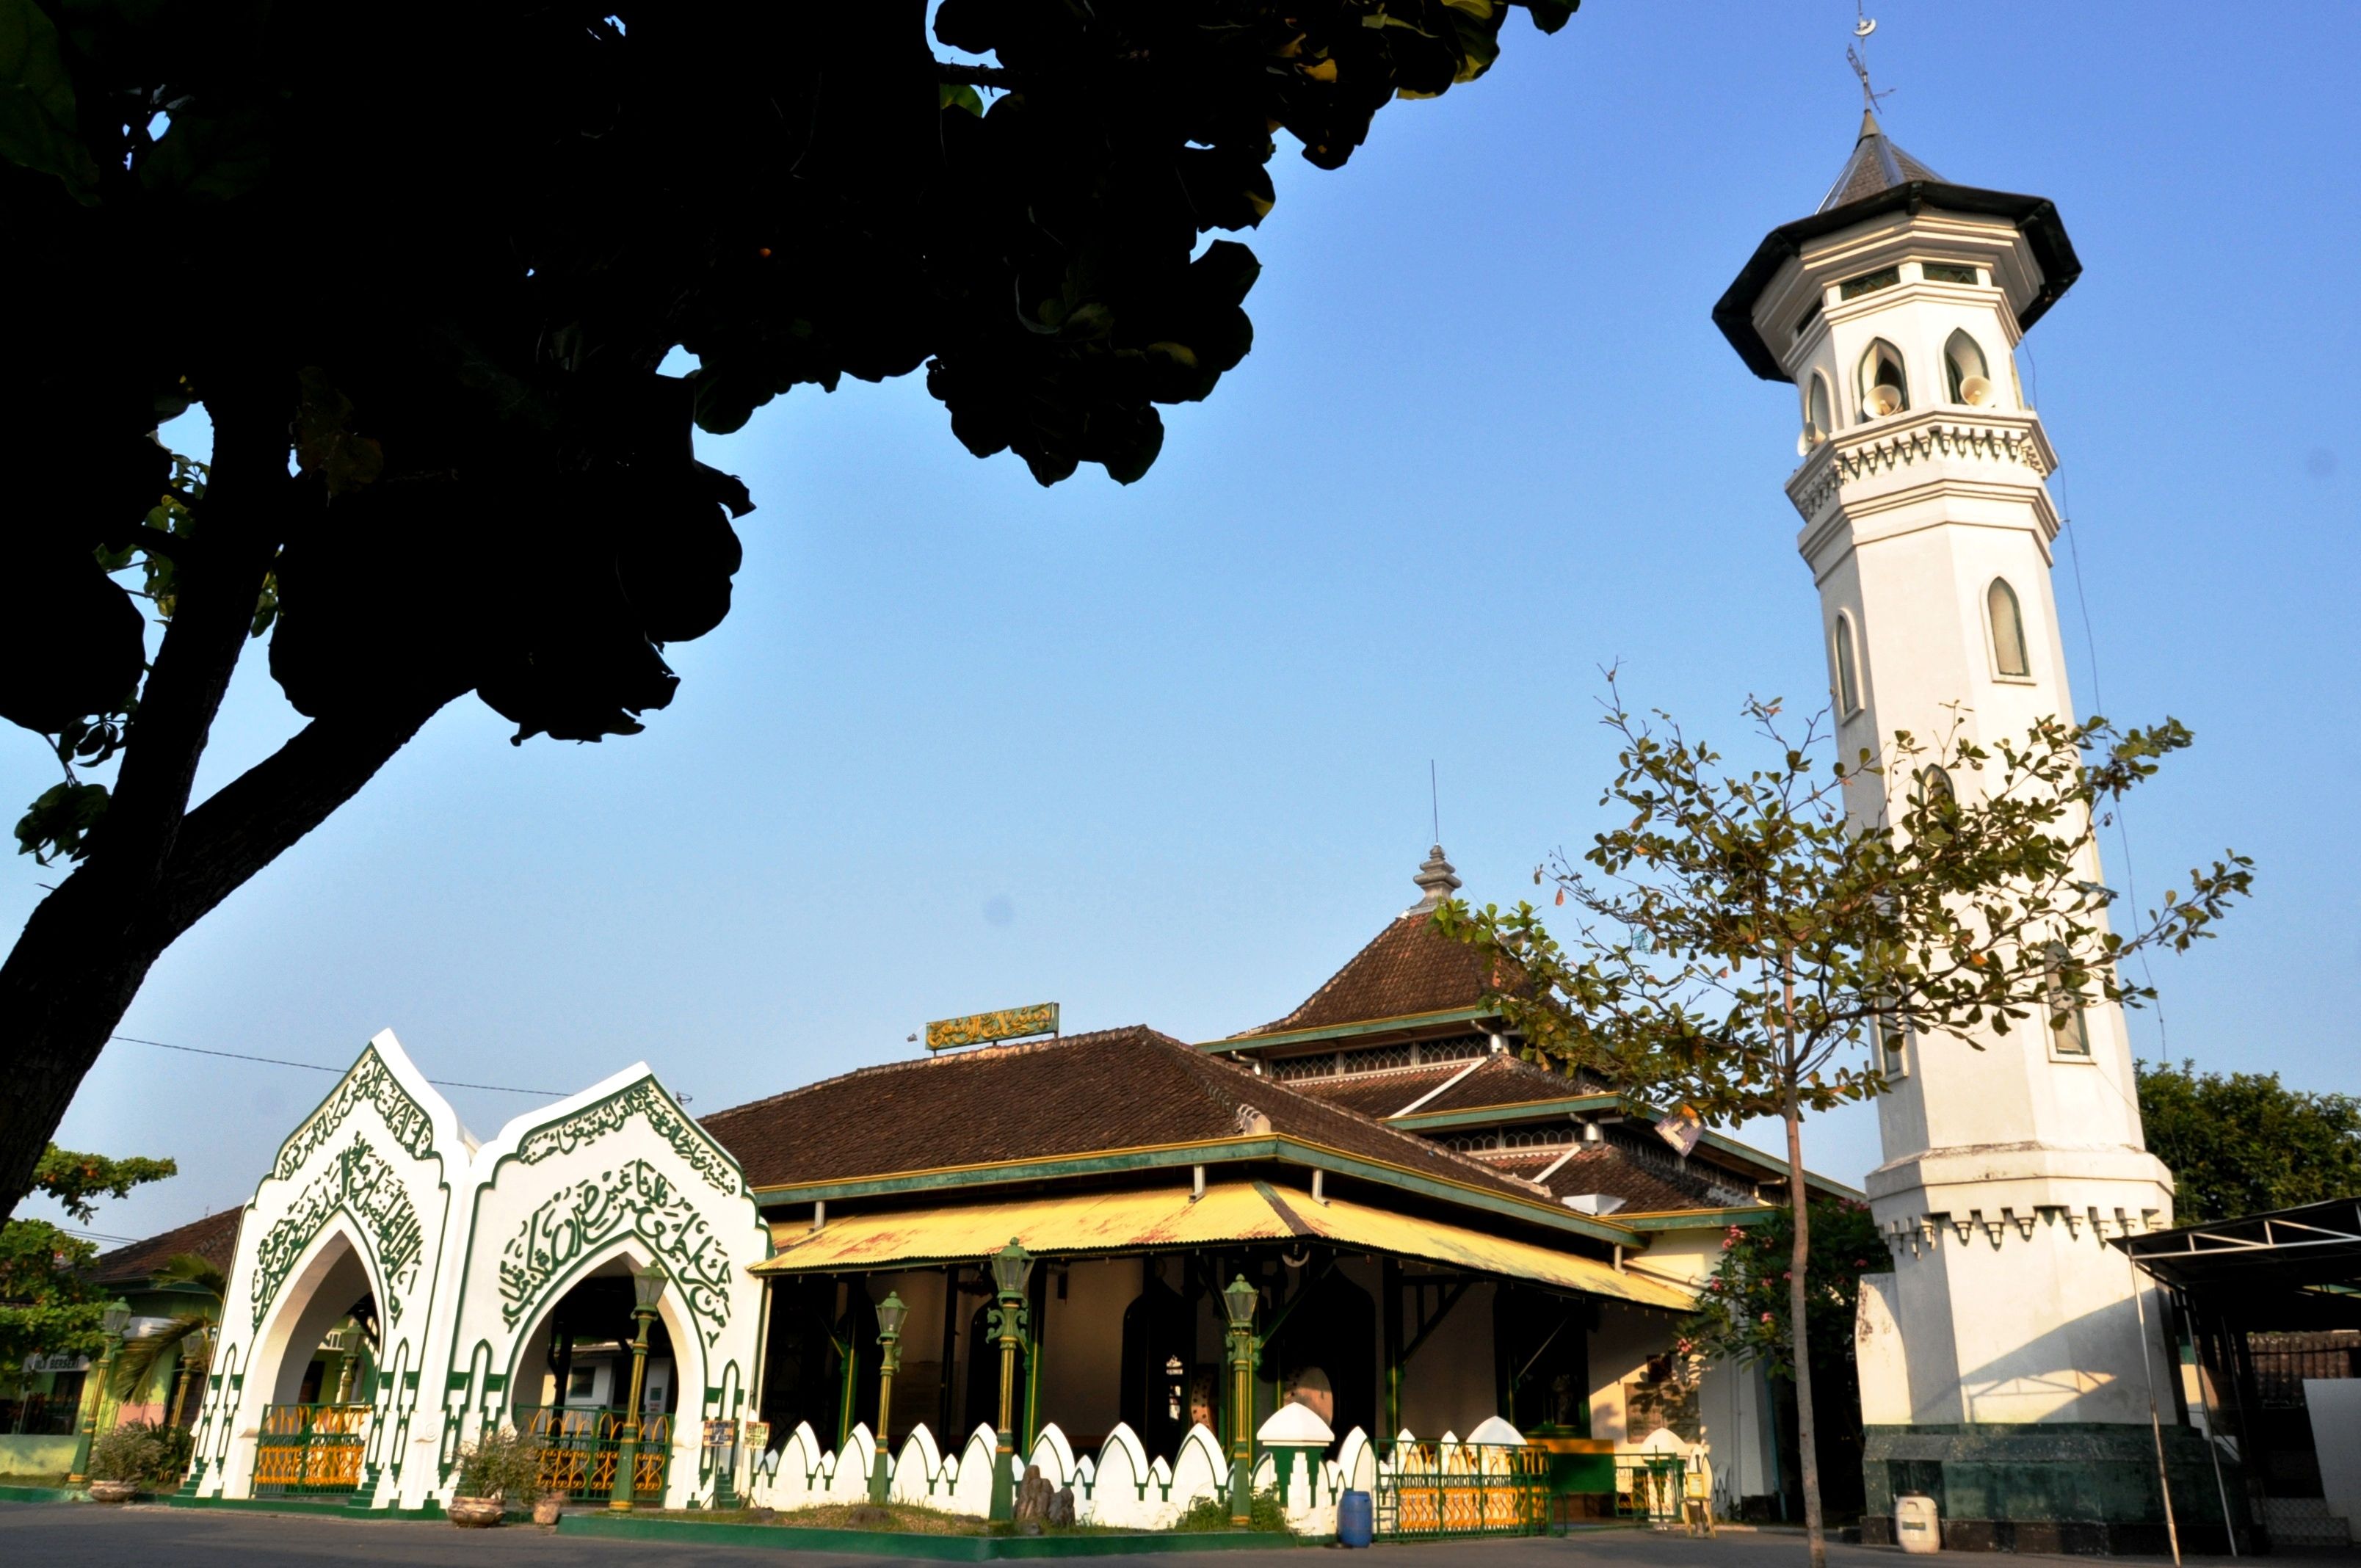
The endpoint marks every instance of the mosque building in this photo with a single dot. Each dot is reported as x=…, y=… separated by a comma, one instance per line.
x=1370, y=1229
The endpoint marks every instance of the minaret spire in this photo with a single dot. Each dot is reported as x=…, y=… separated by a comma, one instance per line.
x=1857, y=55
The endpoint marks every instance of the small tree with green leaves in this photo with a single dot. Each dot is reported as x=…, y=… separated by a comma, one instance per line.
x=1738, y=945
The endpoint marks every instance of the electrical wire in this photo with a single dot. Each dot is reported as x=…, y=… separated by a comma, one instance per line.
x=2099, y=704
x=315, y=1067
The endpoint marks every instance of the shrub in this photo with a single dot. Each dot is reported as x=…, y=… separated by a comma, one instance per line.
x=1212, y=1513
x=147, y=1453
x=504, y=1464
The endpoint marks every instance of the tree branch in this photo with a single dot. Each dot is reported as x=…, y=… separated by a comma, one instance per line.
x=258, y=815
x=998, y=76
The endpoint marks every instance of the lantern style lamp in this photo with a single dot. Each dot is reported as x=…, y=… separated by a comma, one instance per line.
x=647, y=1289
x=1239, y=1303
x=111, y=1323
x=1012, y=1270
x=890, y=1313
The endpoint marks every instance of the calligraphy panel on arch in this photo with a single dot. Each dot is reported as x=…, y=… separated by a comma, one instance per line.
x=648, y=1103
x=634, y=1198
x=370, y=1082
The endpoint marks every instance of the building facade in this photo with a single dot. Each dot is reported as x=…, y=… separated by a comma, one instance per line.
x=1439, y=1238
x=2009, y=1360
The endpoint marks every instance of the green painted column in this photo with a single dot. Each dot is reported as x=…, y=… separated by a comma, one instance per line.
x=113, y=1321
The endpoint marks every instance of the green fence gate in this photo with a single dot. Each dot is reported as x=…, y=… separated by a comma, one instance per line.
x=1433, y=1489
x=309, y=1449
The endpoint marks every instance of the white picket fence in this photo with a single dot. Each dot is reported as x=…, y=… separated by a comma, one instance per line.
x=1119, y=1486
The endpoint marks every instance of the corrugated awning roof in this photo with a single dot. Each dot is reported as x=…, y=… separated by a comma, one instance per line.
x=1085, y=1224
x=2316, y=1247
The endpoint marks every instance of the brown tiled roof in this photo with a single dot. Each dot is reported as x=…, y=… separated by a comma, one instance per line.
x=1505, y=1079
x=1408, y=968
x=1604, y=1168
x=212, y=1238
x=1114, y=1089
x=1502, y=1080
x=1380, y=1094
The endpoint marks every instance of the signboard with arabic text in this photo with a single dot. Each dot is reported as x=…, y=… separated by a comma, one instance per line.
x=983, y=1028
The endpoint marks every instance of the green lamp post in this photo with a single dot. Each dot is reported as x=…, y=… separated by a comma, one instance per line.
x=1012, y=1269
x=890, y=1313
x=647, y=1289
x=111, y=1323
x=1239, y=1303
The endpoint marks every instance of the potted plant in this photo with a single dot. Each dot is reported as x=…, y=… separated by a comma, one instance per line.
x=547, y=1510
x=136, y=1454
x=492, y=1469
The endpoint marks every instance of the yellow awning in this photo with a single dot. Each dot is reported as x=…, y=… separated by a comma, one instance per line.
x=1166, y=1218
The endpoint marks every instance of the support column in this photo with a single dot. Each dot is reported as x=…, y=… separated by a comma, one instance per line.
x=1390, y=1288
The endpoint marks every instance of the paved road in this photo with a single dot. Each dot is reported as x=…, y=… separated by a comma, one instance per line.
x=84, y=1535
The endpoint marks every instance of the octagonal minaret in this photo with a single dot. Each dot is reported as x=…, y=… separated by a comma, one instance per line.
x=2007, y=1324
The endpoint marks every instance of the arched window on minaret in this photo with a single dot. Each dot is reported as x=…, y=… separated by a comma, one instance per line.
x=2069, y=1036
x=1965, y=368
x=2007, y=630
x=1883, y=388
x=1819, y=415
x=1848, y=669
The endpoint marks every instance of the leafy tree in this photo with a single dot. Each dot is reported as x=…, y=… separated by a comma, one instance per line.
x=1740, y=941
x=1747, y=1315
x=48, y=1304
x=432, y=256
x=2243, y=1143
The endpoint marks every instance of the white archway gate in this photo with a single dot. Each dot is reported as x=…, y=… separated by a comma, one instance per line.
x=380, y=1198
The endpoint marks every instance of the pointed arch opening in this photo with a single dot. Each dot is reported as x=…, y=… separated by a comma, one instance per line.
x=1965, y=372
x=307, y=1393
x=570, y=1378
x=1819, y=416
x=2007, y=618
x=1884, y=386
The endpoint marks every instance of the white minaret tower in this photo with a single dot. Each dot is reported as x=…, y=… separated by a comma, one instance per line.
x=2006, y=1339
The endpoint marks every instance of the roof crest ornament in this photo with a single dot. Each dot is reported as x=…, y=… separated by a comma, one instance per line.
x=1437, y=879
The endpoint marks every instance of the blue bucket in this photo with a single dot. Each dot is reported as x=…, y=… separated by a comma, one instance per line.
x=1355, y=1519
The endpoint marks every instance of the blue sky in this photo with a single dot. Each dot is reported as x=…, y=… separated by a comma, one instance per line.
x=1161, y=752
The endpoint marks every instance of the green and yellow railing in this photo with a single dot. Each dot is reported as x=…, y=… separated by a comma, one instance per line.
x=1434, y=1489
x=309, y=1449
x=579, y=1448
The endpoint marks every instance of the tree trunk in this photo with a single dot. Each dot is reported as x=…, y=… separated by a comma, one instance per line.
x=155, y=867
x=83, y=954
x=1807, y=1454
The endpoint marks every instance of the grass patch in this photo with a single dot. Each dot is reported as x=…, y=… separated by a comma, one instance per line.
x=40, y=1478
x=1210, y=1514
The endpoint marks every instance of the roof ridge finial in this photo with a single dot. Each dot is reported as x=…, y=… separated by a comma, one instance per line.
x=1857, y=55
x=1437, y=879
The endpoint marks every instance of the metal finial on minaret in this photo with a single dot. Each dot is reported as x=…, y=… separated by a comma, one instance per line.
x=1857, y=55
x=1435, y=879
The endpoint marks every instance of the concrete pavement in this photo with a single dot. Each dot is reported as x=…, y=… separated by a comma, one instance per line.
x=84, y=1535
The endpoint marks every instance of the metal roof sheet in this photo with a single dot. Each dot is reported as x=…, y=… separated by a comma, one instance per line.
x=1229, y=1212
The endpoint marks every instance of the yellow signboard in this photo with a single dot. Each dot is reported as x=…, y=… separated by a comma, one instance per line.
x=981, y=1028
